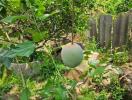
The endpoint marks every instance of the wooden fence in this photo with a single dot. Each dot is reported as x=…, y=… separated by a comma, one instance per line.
x=112, y=32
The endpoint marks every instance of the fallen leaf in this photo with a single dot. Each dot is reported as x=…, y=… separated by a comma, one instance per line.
x=78, y=71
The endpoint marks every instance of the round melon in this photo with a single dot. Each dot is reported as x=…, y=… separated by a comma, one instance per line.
x=72, y=54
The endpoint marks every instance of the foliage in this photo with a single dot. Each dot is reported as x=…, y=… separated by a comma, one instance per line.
x=113, y=91
x=25, y=94
x=91, y=46
x=13, y=19
x=9, y=82
x=48, y=68
x=43, y=13
x=112, y=6
x=23, y=49
x=54, y=89
x=89, y=94
x=103, y=95
x=115, y=88
x=6, y=61
x=120, y=57
x=27, y=26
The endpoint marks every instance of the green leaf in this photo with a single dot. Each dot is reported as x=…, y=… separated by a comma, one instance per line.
x=4, y=60
x=60, y=93
x=37, y=36
x=13, y=19
x=25, y=94
x=93, y=62
x=99, y=71
x=1, y=4
x=28, y=3
x=45, y=16
x=23, y=49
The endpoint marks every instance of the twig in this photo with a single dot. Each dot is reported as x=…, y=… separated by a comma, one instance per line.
x=124, y=76
x=73, y=21
x=7, y=36
x=9, y=41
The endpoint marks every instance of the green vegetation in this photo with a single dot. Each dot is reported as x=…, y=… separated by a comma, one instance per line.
x=36, y=63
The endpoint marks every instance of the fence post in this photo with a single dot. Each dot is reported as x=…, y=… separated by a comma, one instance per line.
x=124, y=29
x=116, y=35
x=120, y=30
x=93, y=28
x=105, y=26
x=130, y=31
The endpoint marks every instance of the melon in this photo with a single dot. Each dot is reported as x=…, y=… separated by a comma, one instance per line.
x=72, y=54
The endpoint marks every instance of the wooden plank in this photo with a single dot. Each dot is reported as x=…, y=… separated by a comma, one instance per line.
x=123, y=29
x=120, y=30
x=108, y=28
x=105, y=26
x=116, y=32
x=93, y=28
x=130, y=31
x=101, y=30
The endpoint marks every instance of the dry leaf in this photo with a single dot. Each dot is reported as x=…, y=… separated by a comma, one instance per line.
x=78, y=71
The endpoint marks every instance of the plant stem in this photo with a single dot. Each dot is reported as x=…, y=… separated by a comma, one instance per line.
x=72, y=21
x=34, y=19
x=7, y=36
x=72, y=38
x=50, y=54
x=2, y=40
x=4, y=76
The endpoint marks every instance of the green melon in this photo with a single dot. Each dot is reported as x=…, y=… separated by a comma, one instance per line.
x=72, y=54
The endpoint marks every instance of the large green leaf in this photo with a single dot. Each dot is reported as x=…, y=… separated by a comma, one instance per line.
x=23, y=49
x=13, y=19
x=25, y=94
x=4, y=60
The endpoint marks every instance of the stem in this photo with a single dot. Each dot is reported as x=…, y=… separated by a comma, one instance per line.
x=34, y=18
x=7, y=36
x=50, y=54
x=2, y=40
x=72, y=21
x=4, y=76
x=72, y=38
x=21, y=74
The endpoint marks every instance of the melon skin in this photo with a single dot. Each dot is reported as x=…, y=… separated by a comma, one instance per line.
x=72, y=54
